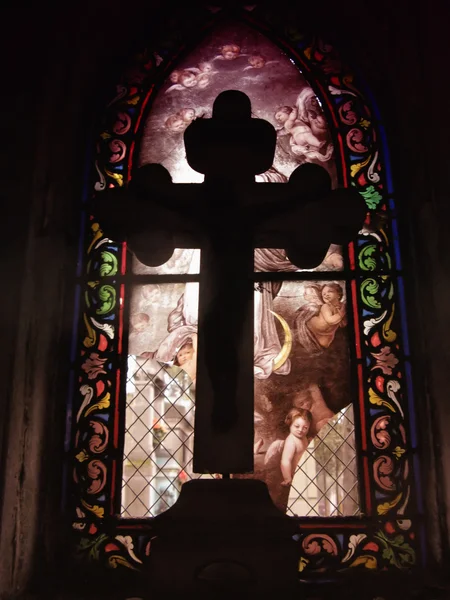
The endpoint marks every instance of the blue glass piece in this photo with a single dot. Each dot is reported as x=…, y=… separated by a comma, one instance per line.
x=398, y=259
x=391, y=203
x=375, y=411
x=101, y=498
x=411, y=411
x=401, y=293
x=102, y=417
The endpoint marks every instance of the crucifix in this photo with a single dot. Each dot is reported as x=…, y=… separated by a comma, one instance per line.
x=227, y=217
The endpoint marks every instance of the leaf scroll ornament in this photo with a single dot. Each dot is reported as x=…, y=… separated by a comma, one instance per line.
x=385, y=507
x=397, y=551
x=388, y=334
x=109, y=264
x=118, y=177
x=97, y=510
x=101, y=404
x=366, y=260
x=107, y=296
x=105, y=327
x=374, y=398
x=91, y=337
x=354, y=541
x=369, y=288
x=372, y=197
x=92, y=546
x=115, y=560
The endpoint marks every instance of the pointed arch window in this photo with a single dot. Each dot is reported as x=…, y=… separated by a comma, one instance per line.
x=330, y=342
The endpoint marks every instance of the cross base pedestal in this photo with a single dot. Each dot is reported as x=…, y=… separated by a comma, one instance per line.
x=222, y=538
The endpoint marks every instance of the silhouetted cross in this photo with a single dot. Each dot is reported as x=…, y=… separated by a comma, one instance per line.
x=228, y=216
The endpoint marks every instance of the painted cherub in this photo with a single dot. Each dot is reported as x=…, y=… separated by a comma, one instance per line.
x=182, y=80
x=302, y=140
x=331, y=316
x=205, y=74
x=178, y=122
x=185, y=356
x=229, y=52
x=191, y=77
x=293, y=447
x=139, y=322
x=257, y=61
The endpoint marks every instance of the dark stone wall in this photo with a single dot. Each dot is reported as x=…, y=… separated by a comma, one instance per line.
x=57, y=64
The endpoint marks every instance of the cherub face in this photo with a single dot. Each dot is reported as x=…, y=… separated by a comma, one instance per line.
x=257, y=61
x=330, y=295
x=230, y=51
x=176, y=124
x=334, y=260
x=205, y=67
x=319, y=120
x=187, y=114
x=174, y=76
x=139, y=322
x=299, y=427
x=203, y=80
x=184, y=355
x=281, y=116
x=188, y=79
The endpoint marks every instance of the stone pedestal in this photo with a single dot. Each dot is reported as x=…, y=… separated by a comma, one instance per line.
x=222, y=538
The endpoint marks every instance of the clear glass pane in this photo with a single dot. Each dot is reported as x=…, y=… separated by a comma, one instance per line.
x=325, y=483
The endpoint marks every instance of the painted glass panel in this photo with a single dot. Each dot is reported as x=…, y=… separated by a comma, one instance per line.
x=183, y=261
x=160, y=394
x=302, y=378
x=238, y=57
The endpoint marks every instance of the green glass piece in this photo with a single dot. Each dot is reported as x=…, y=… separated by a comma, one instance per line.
x=107, y=296
x=366, y=260
x=372, y=197
x=109, y=264
x=369, y=288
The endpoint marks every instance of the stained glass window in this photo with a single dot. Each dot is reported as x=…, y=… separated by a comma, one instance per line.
x=331, y=345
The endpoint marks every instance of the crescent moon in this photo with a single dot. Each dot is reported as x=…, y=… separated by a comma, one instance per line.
x=283, y=355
